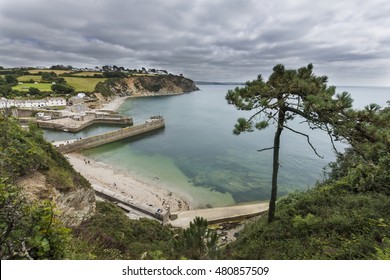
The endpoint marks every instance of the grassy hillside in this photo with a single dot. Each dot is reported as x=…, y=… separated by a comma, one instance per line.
x=87, y=73
x=83, y=84
x=44, y=87
x=24, y=152
x=58, y=72
x=27, y=78
x=31, y=226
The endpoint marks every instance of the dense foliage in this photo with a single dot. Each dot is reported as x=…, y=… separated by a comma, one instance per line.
x=110, y=234
x=197, y=241
x=29, y=230
x=26, y=151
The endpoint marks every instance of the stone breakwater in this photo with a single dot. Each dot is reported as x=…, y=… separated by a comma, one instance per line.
x=104, y=138
x=129, y=204
x=72, y=125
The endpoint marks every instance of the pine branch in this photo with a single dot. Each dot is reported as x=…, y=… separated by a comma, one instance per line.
x=265, y=149
x=307, y=138
x=331, y=138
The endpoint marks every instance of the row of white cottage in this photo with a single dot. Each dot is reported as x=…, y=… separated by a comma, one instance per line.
x=47, y=102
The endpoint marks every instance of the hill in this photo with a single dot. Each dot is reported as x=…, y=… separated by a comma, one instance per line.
x=146, y=85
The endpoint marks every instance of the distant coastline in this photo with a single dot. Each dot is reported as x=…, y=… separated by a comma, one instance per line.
x=220, y=83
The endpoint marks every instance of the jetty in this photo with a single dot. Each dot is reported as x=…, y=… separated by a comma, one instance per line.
x=73, y=145
x=182, y=219
x=217, y=215
x=77, y=122
x=132, y=206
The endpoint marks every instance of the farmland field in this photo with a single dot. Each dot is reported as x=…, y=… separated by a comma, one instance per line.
x=45, y=87
x=83, y=84
x=58, y=72
x=89, y=73
x=26, y=78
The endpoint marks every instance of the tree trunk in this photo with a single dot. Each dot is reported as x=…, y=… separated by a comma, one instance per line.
x=275, y=168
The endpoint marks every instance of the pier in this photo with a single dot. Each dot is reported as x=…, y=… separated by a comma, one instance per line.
x=74, y=145
x=76, y=123
x=133, y=206
x=182, y=219
x=217, y=215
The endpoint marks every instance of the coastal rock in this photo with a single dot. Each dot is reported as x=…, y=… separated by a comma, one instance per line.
x=152, y=85
x=74, y=205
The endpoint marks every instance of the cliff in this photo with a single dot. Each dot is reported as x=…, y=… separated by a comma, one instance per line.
x=40, y=172
x=146, y=85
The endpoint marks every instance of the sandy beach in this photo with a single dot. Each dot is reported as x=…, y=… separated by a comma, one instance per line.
x=114, y=104
x=119, y=181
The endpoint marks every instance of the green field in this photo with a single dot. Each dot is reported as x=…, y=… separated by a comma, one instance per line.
x=83, y=84
x=27, y=78
x=79, y=84
x=45, y=87
x=58, y=72
x=85, y=73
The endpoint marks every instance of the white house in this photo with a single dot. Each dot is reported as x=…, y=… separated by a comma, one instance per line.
x=27, y=103
x=3, y=102
x=56, y=101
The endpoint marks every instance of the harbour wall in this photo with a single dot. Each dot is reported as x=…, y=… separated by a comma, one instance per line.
x=104, y=138
x=81, y=126
x=126, y=203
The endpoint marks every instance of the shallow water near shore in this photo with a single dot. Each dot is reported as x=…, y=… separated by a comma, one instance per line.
x=197, y=154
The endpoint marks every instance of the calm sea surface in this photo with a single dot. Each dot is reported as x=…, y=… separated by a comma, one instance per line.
x=198, y=155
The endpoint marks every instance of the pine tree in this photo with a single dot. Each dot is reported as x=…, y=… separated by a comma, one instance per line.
x=286, y=95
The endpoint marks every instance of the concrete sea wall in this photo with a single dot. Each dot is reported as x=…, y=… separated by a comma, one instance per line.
x=82, y=125
x=126, y=203
x=100, y=139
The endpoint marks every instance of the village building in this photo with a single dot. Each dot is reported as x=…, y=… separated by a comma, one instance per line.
x=31, y=103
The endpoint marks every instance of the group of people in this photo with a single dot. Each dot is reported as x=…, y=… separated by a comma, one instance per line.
x=87, y=161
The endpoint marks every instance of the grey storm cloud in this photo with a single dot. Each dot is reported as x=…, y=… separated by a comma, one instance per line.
x=206, y=40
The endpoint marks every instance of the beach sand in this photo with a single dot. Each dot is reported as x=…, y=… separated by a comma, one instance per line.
x=119, y=181
x=114, y=104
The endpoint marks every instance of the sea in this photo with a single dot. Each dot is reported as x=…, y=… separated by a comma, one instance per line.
x=197, y=154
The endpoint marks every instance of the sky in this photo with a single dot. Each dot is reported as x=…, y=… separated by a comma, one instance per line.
x=205, y=40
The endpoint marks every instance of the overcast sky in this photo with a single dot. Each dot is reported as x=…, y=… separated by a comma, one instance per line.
x=231, y=40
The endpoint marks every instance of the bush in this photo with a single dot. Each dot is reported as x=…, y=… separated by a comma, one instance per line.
x=111, y=234
x=319, y=224
x=29, y=231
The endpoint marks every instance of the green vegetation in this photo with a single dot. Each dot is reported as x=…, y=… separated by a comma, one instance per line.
x=58, y=72
x=104, y=87
x=44, y=87
x=110, y=234
x=23, y=152
x=87, y=74
x=198, y=241
x=29, y=230
x=30, y=78
x=83, y=84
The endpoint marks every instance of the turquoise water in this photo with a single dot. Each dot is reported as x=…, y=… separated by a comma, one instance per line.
x=197, y=154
